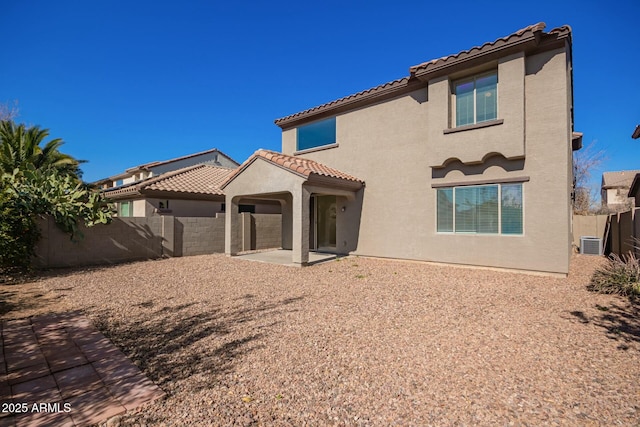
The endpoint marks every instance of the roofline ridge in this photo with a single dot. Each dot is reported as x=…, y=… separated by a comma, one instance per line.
x=540, y=26
x=528, y=38
x=344, y=98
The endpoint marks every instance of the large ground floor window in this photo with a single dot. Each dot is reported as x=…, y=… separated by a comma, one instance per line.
x=480, y=209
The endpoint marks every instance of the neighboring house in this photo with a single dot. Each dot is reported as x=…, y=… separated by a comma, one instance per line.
x=185, y=186
x=614, y=190
x=212, y=157
x=190, y=191
x=467, y=160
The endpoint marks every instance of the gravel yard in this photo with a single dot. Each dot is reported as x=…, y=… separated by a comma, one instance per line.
x=358, y=341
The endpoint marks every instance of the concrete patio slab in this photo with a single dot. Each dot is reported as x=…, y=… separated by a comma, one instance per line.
x=283, y=257
x=59, y=370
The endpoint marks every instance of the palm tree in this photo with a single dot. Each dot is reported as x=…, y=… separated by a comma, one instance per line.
x=20, y=149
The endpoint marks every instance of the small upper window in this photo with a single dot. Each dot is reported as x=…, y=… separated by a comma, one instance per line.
x=476, y=99
x=317, y=134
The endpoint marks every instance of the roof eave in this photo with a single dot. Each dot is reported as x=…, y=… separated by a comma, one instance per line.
x=121, y=194
x=181, y=195
x=349, y=103
x=334, y=182
x=576, y=141
x=533, y=39
x=472, y=59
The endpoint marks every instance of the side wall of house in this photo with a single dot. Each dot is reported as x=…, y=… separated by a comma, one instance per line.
x=400, y=148
x=618, y=196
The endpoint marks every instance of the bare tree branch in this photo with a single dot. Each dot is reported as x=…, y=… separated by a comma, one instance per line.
x=8, y=111
x=585, y=162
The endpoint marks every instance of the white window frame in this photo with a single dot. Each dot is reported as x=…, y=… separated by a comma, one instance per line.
x=475, y=109
x=471, y=233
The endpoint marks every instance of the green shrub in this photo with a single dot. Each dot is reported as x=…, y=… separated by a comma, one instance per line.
x=26, y=194
x=620, y=275
x=19, y=233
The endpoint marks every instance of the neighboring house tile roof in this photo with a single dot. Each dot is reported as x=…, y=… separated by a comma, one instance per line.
x=300, y=166
x=188, y=156
x=202, y=180
x=526, y=38
x=619, y=179
x=636, y=133
x=146, y=166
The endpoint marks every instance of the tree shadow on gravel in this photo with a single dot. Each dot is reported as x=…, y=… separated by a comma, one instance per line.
x=173, y=343
x=18, y=302
x=620, y=322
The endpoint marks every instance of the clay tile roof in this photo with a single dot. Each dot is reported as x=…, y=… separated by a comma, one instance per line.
x=619, y=179
x=377, y=90
x=188, y=156
x=418, y=73
x=502, y=40
x=298, y=165
x=198, y=179
x=201, y=179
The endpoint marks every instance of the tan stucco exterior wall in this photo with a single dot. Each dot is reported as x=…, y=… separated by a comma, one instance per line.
x=393, y=145
x=617, y=196
x=139, y=208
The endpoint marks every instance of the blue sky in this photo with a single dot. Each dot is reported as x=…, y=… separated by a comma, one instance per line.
x=129, y=82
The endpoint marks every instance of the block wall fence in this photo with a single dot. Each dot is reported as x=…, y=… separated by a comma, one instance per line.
x=134, y=239
x=617, y=231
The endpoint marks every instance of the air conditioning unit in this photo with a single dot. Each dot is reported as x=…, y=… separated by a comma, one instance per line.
x=590, y=245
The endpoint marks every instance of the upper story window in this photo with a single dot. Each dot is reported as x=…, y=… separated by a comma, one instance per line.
x=316, y=134
x=476, y=99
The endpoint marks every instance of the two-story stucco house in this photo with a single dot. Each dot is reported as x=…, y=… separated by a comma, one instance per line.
x=467, y=160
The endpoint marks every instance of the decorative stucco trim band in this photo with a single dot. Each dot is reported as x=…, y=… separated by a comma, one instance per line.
x=482, y=182
x=476, y=126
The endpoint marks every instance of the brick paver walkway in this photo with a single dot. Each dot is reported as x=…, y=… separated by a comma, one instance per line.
x=60, y=370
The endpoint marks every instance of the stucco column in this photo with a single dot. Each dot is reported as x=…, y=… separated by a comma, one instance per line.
x=287, y=221
x=168, y=236
x=231, y=224
x=300, y=210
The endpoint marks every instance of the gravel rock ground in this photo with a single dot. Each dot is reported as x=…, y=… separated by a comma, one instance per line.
x=363, y=342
